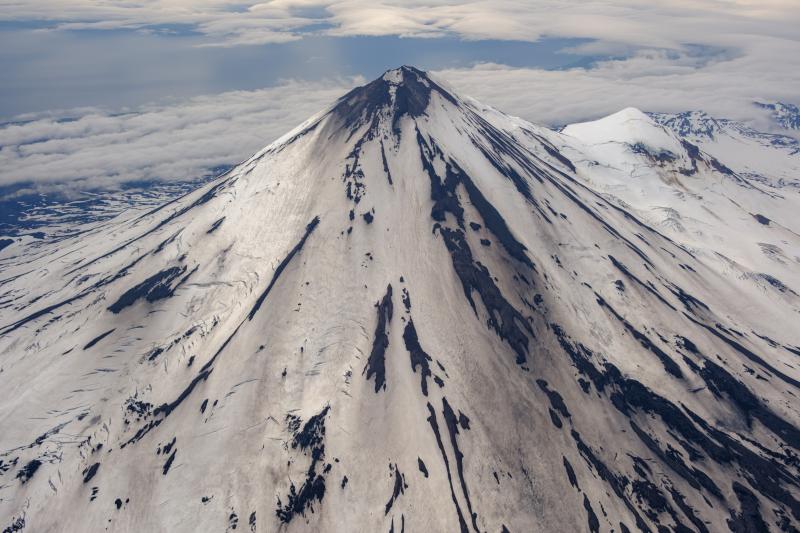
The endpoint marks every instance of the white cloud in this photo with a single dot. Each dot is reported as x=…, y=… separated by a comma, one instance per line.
x=653, y=80
x=664, y=24
x=184, y=139
x=716, y=55
x=178, y=141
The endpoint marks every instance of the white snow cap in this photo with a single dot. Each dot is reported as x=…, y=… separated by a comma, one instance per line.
x=629, y=126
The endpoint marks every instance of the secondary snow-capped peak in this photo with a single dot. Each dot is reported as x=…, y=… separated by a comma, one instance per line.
x=657, y=150
x=629, y=126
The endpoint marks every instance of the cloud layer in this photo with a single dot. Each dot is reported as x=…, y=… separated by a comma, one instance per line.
x=184, y=139
x=652, y=80
x=672, y=55
x=98, y=149
x=664, y=24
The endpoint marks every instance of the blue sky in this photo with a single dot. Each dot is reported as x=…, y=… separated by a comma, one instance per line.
x=97, y=93
x=57, y=70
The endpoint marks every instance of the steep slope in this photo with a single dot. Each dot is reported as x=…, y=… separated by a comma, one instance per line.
x=410, y=313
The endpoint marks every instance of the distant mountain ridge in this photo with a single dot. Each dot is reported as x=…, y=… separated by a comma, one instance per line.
x=785, y=115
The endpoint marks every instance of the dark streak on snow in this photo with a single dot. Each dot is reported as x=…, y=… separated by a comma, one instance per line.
x=156, y=287
x=445, y=198
x=217, y=223
x=748, y=520
x=422, y=467
x=452, y=428
x=311, y=439
x=622, y=268
x=27, y=471
x=491, y=217
x=669, y=365
x=406, y=298
x=90, y=472
x=764, y=474
x=282, y=266
x=398, y=489
x=98, y=339
x=169, y=461
x=503, y=318
x=385, y=164
x=435, y=427
x=556, y=400
x=593, y=522
x=573, y=480
x=376, y=364
x=419, y=357
x=720, y=381
x=747, y=353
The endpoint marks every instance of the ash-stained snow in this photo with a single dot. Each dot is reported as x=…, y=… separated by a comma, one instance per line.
x=591, y=330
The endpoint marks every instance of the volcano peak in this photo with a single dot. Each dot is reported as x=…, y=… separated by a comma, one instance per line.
x=402, y=91
x=397, y=75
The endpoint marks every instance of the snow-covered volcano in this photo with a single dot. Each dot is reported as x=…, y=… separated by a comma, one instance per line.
x=414, y=313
